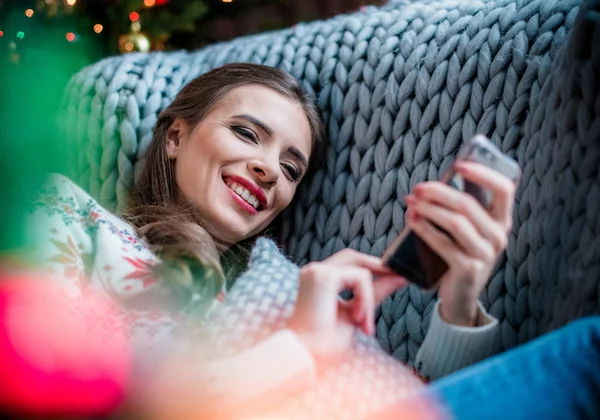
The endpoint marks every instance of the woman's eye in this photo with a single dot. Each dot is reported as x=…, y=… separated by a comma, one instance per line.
x=292, y=172
x=245, y=132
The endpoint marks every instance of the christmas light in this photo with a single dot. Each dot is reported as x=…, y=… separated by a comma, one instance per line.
x=29, y=13
x=70, y=2
x=20, y=34
x=134, y=16
x=98, y=28
x=227, y=1
x=149, y=3
x=161, y=2
x=70, y=36
x=1, y=33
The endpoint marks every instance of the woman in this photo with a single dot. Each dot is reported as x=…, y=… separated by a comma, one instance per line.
x=226, y=159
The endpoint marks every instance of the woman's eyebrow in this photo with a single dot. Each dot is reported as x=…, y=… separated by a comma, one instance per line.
x=261, y=125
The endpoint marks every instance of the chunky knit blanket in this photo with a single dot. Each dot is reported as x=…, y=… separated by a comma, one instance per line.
x=402, y=86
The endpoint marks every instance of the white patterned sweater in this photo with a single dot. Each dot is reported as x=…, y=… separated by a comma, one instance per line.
x=89, y=248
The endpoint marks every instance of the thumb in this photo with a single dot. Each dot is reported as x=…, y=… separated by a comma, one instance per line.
x=386, y=285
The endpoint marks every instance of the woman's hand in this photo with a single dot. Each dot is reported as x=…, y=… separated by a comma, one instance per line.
x=477, y=236
x=321, y=319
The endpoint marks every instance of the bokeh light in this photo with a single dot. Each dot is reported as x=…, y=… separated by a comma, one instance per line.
x=149, y=3
x=70, y=36
x=134, y=16
x=98, y=28
x=20, y=34
x=71, y=2
x=29, y=13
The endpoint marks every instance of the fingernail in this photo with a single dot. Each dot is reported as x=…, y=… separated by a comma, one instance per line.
x=462, y=167
x=413, y=215
x=419, y=190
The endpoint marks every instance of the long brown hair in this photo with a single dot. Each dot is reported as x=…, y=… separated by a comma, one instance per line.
x=171, y=227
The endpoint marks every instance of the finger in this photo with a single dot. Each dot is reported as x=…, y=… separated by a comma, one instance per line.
x=360, y=281
x=502, y=188
x=439, y=242
x=457, y=226
x=385, y=286
x=465, y=204
x=347, y=309
x=350, y=257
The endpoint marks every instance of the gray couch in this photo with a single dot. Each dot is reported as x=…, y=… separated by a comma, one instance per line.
x=401, y=87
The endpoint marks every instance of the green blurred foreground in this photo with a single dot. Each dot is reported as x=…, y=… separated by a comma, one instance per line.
x=32, y=81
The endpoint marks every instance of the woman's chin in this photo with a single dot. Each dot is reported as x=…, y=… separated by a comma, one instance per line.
x=233, y=233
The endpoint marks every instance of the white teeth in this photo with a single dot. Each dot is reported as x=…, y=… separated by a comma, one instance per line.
x=244, y=193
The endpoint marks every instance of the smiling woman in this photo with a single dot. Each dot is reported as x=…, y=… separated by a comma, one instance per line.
x=226, y=158
x=255, y=138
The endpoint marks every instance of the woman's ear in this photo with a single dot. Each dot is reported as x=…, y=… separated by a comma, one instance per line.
x=175, y=140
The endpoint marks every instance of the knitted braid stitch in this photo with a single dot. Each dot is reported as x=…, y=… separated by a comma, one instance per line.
x=401, y=87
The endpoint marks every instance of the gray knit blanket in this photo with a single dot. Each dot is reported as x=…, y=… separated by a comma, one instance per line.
x=401, y=87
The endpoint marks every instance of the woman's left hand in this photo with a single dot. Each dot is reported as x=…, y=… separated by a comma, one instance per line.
x=477, y=236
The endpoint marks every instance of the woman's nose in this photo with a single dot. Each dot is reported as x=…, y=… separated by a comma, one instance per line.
x=264, y=172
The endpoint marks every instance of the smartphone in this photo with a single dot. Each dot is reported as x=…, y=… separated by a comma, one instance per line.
x=412, y=258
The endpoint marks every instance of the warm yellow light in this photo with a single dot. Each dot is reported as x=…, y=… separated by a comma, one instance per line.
x=98, y=28
x=149, y=3
x=29, y=12
x=129, y=46
x=71, y=2
x=227, y=1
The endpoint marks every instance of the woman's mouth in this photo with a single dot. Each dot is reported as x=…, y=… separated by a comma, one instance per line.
x=242, y=195
x=246, y=195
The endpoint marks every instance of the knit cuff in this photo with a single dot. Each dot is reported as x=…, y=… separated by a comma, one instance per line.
x=448, y=348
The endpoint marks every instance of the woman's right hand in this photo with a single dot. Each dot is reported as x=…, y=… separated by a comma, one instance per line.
x=322, y=320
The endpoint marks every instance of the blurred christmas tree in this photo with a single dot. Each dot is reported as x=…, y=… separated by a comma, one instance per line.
x=110, y=26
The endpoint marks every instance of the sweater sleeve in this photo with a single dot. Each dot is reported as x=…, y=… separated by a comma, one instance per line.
x=243, y=385
x=270, y=370
x=448, y=348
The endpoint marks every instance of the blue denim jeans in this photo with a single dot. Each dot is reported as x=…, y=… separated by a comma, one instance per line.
x=556, y=376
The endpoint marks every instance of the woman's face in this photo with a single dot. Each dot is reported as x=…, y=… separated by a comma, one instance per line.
x=241, y=164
